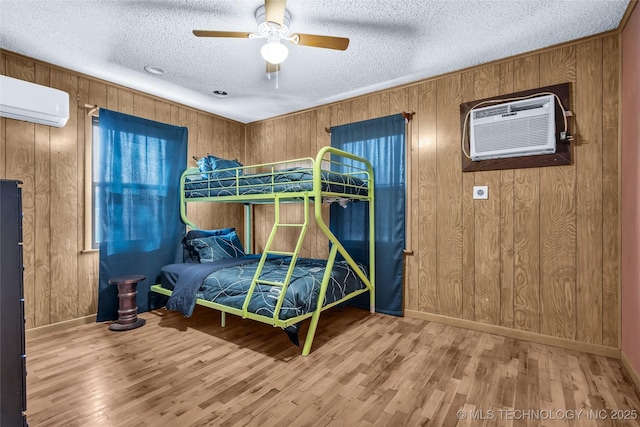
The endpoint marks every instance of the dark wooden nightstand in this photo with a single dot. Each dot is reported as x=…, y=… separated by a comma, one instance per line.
x=128, y=309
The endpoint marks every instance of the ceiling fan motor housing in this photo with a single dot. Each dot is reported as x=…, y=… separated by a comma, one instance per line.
x=261, y=19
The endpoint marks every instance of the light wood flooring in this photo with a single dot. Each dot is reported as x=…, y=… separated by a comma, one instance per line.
x=363, y=370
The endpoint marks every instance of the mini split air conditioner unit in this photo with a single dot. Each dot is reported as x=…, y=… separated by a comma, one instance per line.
x=31, y=102
x=520, y=128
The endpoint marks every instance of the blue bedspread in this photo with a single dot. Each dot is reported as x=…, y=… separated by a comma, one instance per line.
x=282, y=181
x=230, y=286
x=190, y=277
x=227, y=282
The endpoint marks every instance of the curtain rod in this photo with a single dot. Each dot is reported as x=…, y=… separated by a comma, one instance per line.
x=407, y=115
x=92, y=108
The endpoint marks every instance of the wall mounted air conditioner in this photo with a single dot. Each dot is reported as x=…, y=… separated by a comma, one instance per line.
x=519, y=128
x=31, y=102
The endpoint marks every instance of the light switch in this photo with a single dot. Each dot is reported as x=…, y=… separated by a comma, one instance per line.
x=480, y=192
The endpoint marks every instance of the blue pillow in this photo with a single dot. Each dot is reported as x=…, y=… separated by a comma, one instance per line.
x=214, y=248
x=189, y=253
x=211, y=163
x=218, y=163
x=204, y=164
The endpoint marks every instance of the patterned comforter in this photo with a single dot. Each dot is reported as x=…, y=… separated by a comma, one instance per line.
x=229, y=285
x=282, y=181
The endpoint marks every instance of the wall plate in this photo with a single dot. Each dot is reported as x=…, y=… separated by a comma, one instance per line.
x=480, y=192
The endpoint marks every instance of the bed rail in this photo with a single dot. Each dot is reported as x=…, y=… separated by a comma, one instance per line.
x=332, y=175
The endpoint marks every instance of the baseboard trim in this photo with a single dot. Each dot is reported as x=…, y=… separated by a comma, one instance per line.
x=59, y=326
x=599, y=350
x=633, y=375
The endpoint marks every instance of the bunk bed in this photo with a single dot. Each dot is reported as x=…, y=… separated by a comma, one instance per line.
x=275, y=287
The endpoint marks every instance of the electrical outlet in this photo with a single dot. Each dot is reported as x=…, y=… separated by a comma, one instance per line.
x=480, y=192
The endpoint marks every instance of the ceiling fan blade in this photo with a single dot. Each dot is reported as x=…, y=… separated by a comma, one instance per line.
x=327, y=42
x=274, y=10
x=272, y=68
x=205, y=33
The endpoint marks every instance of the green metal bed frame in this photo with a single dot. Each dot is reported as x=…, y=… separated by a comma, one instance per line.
x=326, y=156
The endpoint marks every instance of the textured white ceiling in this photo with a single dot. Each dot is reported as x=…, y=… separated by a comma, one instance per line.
x=392, y=42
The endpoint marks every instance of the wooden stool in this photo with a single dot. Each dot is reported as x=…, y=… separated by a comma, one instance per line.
x=128, y=312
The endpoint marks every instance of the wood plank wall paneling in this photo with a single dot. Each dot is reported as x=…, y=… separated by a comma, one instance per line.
x=589, y=192
x=542, y=253
x=413, y=147
x=468, y=221
x=487, y=218
x=257, y=133
x=280, y=145
x=323, y=139
x=293, y=127
x=60, y=281
x=425, y=210
x=64, y=206
x=506, y=220
x=309, y=134
x=193, y=210
x=558, y=218
x=20, y=165
x=526, y=233
x=610, y=193
x=87, y=265
x=449, y=233
x=254, y=153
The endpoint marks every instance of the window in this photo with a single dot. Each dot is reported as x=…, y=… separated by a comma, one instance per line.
x=386, y=150
x=383, y=142
x=91, y=159
x=95, y=158
x=146, y=176
x=138, y=171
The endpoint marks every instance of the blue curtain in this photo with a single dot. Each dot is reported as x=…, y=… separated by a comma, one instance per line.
x=382, y=142
x=138, y=204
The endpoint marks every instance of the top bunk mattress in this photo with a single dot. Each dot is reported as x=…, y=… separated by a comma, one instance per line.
x=290, y=180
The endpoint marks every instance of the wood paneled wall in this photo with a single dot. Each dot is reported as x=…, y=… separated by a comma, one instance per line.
x=542, y=253
x=60, y=281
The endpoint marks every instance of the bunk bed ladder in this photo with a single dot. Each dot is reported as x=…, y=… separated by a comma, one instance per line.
x=267, y=251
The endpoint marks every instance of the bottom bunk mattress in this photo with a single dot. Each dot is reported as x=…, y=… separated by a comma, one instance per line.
x=227, y=282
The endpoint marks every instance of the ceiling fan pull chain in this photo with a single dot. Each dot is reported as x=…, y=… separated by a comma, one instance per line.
x=276, y=78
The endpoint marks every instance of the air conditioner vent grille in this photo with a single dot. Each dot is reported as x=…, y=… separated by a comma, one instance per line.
x=516, y=133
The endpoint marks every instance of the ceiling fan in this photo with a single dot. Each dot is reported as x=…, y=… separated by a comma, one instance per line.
x=273, y=25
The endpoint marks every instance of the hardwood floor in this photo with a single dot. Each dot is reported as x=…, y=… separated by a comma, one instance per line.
x=363, y=370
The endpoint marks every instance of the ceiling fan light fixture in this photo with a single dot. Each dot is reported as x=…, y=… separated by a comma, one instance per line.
x=274, y=52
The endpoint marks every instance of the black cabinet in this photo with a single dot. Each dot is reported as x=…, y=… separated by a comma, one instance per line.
x=13, y=389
